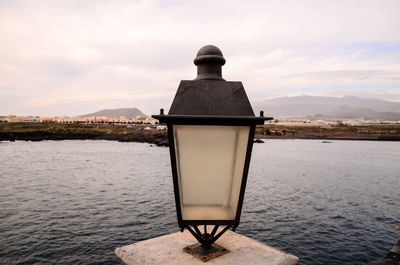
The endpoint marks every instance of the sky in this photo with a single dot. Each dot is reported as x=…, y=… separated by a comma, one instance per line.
x=79, y=56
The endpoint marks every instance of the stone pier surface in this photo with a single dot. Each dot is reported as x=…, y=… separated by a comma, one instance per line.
x=393, y=257
x=168, y=250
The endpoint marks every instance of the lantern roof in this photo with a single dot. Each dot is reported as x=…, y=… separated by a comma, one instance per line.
x=209, y=97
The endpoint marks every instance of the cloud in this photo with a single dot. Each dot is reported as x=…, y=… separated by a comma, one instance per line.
x=351, y=74
x=57, y=56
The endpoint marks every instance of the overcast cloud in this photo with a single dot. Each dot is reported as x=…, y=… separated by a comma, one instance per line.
x=74, y=57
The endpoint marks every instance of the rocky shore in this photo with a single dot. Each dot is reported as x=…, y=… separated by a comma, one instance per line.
x=41, y=132
x=316, y=137
x=159, y=139
x=138, y=133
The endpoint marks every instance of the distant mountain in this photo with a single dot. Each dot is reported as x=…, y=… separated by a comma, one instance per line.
x=347, y=107
x=110, y=113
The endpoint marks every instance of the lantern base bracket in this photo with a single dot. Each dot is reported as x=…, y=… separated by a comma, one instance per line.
x=206, y=254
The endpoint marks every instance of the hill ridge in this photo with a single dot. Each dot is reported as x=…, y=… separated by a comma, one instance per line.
x=129, y=113
x=346, y=107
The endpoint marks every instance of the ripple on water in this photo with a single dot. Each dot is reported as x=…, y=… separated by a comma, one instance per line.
x=78, y=200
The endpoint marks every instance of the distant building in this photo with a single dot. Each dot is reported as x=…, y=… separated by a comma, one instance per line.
x=93, y=120
x=14, y=118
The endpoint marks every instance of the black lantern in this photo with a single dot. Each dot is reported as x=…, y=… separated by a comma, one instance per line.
x=211, y=127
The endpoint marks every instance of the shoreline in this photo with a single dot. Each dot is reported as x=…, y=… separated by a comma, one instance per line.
x=344, y=138
x=162, y=139
x=157, y=139
x=139, y=133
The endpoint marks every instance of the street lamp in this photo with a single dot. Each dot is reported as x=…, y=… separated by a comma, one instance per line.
x=211, y=127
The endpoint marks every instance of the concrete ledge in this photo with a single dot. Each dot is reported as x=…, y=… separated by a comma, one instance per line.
x=393, y=257
x=168, y=250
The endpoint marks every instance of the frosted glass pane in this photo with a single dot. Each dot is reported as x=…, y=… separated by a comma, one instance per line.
x=210, y=162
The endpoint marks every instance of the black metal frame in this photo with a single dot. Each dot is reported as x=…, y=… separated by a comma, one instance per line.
x=207, y=239
x=210, y=119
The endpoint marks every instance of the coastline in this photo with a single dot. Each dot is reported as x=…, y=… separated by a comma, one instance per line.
x=351, y=138
x=138, y=133
x=54, y=131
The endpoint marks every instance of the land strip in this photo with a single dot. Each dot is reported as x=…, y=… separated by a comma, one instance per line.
x=145, y=133
x=382, y=132
x=60, y=131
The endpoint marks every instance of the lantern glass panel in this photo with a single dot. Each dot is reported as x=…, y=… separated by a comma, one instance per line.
x=210, y=162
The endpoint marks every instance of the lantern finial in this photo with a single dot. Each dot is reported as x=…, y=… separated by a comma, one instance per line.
x=209, y=61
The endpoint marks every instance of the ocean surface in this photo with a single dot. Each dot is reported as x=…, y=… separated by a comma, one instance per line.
x=74, y=202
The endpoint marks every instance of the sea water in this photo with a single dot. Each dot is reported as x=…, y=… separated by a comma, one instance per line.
x=74, y=202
